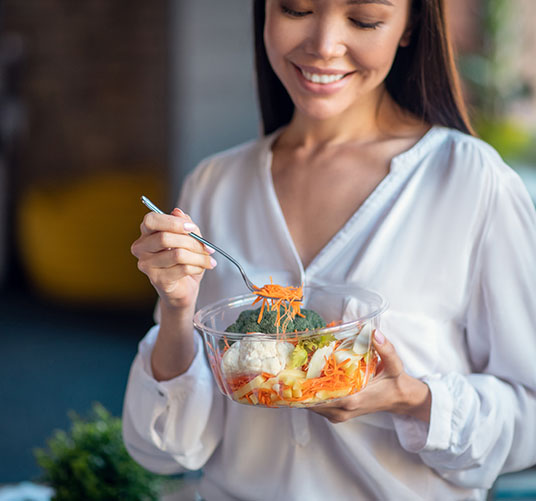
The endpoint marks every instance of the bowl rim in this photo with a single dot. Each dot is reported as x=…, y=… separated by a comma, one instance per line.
x=240, y=300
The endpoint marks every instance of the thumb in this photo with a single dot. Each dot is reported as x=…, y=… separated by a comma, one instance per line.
x=390, y=363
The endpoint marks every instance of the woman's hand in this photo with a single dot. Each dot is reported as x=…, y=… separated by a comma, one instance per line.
x=390, y=390
x=173, y=261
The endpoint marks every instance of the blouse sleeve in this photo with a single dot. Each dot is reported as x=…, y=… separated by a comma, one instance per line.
x=484, y=424
x=173, y=425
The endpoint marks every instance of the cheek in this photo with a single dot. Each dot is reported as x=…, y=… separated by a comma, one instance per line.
x=281, y=37
x=377, y=55
x=270, y=43
x=278, y=43
x=377, y=49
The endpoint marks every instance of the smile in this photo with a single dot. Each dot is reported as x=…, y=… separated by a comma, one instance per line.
x=321, y=78
x=322, y=81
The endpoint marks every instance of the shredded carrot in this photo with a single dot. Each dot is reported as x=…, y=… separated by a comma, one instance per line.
x=261, y=312
x=333, y=378
x=294, y=340
x=237, y=382
x=265, y=396
x=334, y=323
x=247, y=396
x=371, y=370
x=273, y=296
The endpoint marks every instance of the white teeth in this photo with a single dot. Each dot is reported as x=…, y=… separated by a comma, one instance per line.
x=321, y=79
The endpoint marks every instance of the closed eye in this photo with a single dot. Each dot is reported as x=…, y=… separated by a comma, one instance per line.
x=365, y=26
x=295, y=13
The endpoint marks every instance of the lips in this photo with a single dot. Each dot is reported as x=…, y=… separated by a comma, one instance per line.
x=322, y=76
x=321, y=79
x=322, y=82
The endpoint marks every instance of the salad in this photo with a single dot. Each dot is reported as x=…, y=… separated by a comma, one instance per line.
x=292, y=369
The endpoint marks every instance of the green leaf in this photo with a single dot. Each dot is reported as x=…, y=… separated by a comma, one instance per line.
x=298, y=357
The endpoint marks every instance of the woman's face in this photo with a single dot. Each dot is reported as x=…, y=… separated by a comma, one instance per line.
x=332, y=55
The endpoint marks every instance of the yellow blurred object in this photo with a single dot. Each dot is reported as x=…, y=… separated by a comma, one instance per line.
x=74, y=239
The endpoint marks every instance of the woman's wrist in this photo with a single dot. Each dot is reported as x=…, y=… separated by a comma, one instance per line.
x=416, y=399
x=176, y=315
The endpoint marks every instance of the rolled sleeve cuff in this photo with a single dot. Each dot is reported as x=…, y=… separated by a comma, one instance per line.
x=415, y=435
x=155, y=401
x=173, y=387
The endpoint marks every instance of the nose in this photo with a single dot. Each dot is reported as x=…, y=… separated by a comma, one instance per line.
x=326, y=40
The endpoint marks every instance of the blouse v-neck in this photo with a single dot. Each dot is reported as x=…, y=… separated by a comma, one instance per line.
x=400, y=167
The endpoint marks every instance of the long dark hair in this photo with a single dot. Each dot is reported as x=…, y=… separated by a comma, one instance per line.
x=423, y=78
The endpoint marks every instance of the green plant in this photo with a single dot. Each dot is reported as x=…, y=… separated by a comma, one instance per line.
x=495, y=84
x=90, y=462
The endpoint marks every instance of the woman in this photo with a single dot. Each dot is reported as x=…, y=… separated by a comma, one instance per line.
x=367, y=173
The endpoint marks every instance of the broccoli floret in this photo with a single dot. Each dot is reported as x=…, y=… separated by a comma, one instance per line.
x=311, y=321
x=247, y=321
x=269, y=318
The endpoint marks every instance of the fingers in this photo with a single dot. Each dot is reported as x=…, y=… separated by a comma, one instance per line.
x=391, y=390
x=340, y=411
x=179, y=256
x=162, y=231
x=153, y=222
x=390, y=365
x=165, y=244
x=165, y=240
x=166, y=278
x=177, y=212
x=332, y=415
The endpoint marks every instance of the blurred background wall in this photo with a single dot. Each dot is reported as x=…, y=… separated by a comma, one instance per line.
x=213, y=103
x=102, y=101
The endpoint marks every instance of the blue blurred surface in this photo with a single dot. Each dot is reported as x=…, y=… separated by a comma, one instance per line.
x=515, y=486
x=53, y=359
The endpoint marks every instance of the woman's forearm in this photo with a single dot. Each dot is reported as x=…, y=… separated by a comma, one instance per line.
x=174, y=349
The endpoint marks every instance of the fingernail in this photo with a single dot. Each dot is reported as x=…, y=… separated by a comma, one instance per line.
x=213, y=262
x=210, y=250
x=188, y=227
x=379, y=337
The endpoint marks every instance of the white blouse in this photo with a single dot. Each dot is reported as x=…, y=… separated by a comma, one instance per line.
x=449, y=238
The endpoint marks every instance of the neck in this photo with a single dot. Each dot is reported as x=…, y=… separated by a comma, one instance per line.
x=366, y=121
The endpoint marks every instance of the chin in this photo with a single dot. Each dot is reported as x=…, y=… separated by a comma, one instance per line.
x=326, y=111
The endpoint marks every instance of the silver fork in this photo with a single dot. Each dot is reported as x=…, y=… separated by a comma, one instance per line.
x=249, y=284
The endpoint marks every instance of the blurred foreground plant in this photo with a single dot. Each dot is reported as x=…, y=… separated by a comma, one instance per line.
x=90, y=462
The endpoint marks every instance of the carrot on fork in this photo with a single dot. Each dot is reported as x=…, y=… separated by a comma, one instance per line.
x=274, y=296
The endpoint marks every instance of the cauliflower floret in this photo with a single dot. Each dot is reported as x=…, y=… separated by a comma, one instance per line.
x=229, y=363
x=256, y=356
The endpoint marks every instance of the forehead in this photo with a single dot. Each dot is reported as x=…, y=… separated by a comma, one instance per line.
x=391, y=3
x=359, y=2
x=342, y=3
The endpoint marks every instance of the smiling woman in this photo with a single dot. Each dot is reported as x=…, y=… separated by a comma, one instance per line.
x=422, y=77
x=367, y=174
x=332, y=57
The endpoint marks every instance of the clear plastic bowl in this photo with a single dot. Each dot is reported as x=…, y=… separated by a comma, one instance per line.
x=253, y=368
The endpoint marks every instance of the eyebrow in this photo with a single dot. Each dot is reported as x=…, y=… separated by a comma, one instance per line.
x=383, y=2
